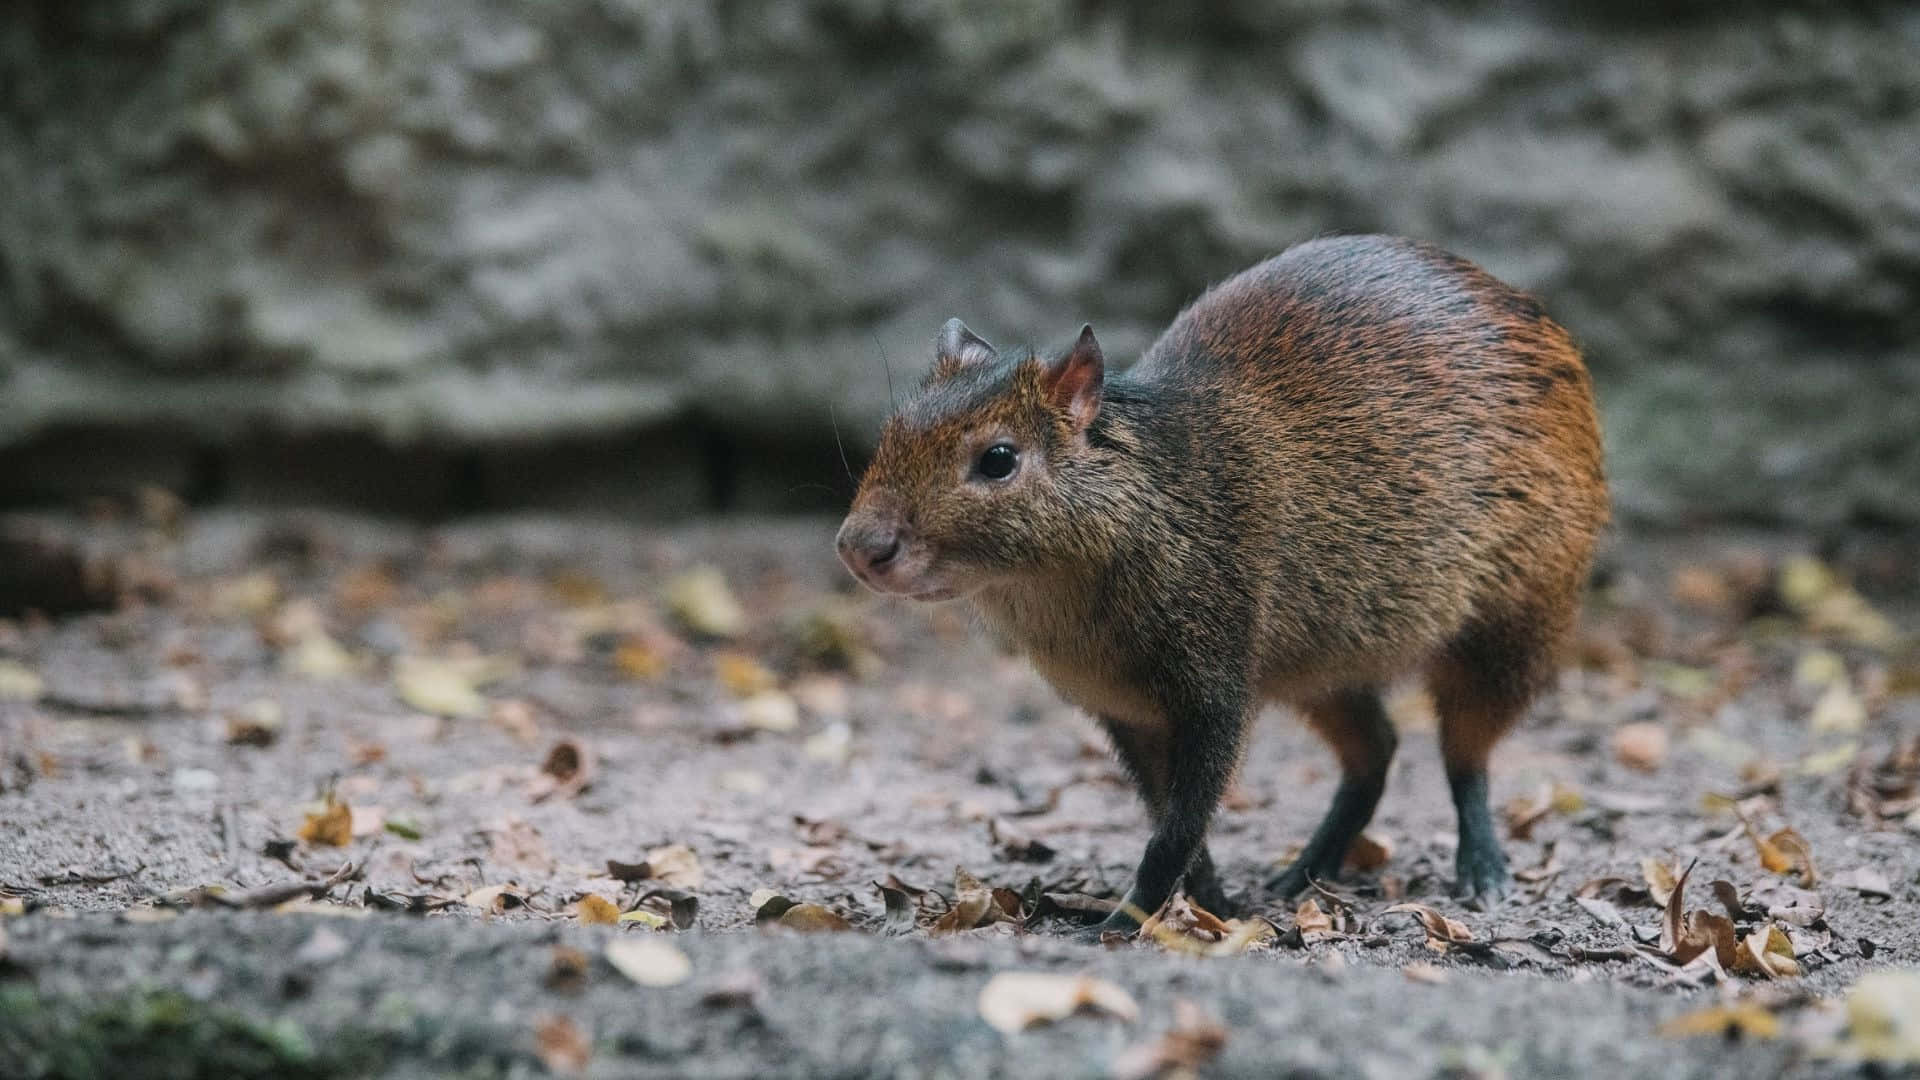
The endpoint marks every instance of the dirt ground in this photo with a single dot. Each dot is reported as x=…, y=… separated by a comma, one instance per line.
x=329, y=796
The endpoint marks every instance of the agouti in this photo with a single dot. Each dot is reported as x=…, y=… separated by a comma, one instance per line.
x=1361, y=459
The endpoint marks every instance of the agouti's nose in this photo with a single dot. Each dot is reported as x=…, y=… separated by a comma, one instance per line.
x=866, y=551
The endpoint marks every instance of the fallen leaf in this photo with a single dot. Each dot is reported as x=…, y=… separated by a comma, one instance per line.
x=637, y=658
x=973, y=906
x=675, y=865
x=1865, y=880
x=318, y=657
x=1747, y=1019
x=1818, y=669
x=252, y=595
x=562, y=1045
x=19, y=682
x=439, y=687
x=704, y=604
x=1839, y=710
x=651, y=920
x=832, y=744
x=1312, y=923
x=566, y=771
x=812, y=918
x=1370, y=851
x=1883, y=1019
x=1015, y=844
x=331, y=825
x=770, y=710
x=1424, y=973
x=1194, y=1040
x=1438, y=927
x=902, y=908
x=1659, y=878
x=494, y=899
x=649, y=961
x=1013, y=1001
x=1767, y=951
x=567, y=970
x=1640, y=745
x=257, y=723
x=596, y=910
x=741, y=675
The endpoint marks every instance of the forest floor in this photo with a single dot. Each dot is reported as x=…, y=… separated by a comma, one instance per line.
x=320, y=795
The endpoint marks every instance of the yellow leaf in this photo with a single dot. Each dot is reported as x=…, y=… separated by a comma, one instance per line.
x=332, y=825
x=1743, y=1018
x=643, y=917
x=1839, y=709
x=742, y=675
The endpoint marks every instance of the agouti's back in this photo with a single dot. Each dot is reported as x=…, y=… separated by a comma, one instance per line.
x=1360, y=460
x=1416, y=441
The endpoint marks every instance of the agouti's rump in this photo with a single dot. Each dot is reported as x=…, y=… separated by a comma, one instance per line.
x=1361, y=458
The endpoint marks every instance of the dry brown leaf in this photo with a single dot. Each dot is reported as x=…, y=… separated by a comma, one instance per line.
x=1767, y=951
x=1424, y=973
x=812, y=918
x=566, y=771
x=648, y=960
x=1438, y=927
x=1659, y=878
x=494, y=899
x=1313, y=923
x=332, y=825
x=562, y=1045
x=1370, y=851
x=676, y=865
x=1013, y=1001
x=1194, y=1040
x=567, y=969
x=596, y=910
x=973, y=906
x=1640, y=745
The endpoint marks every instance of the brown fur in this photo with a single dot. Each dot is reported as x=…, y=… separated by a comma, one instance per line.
x=1361, y=458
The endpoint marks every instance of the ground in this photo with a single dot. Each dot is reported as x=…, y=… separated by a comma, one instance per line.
x=321, y=795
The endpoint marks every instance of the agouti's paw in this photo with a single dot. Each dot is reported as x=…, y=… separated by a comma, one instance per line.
x=1116, y=923
x=1481, y=880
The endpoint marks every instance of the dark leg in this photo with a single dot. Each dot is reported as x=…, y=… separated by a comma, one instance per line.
x=1355, y=724
x=1481, y=687
x=1145, y=753
x=1202, y=753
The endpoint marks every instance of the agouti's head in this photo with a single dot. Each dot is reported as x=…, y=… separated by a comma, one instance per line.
x=970, y=483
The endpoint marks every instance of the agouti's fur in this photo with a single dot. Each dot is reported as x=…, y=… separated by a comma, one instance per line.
x=1360, y=459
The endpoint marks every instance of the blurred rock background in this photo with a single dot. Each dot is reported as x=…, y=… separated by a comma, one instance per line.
x=644, y=254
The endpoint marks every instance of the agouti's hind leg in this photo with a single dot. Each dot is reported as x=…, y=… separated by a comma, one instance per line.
x=1355, y=724
x=1147, y=756
x=1481, y=686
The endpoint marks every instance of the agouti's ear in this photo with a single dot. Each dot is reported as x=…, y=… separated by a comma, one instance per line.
x=957, y=347
x=1075, y=381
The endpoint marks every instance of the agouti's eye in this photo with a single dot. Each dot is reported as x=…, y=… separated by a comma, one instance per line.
x=998, y=462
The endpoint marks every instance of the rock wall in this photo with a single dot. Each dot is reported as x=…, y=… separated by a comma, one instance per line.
x=494, y=223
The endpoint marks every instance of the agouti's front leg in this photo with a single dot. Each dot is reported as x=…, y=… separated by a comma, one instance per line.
x=1145, y=751
x=1203, y=750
